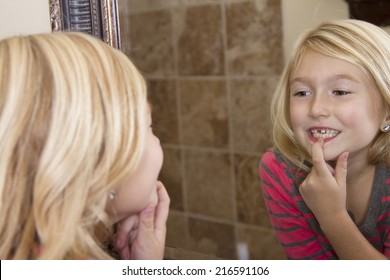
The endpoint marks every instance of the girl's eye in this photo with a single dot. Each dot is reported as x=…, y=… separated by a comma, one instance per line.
x=301, y=93
x=341, y=92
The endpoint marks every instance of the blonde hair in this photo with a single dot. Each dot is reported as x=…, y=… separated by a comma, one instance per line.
x=72, y=120
x=360, y=43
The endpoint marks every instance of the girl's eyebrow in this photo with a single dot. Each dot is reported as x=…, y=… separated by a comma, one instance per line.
x=298, y=79
x=345, y=77
x=331, y=78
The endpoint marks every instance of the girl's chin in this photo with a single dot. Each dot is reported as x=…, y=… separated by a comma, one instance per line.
x=154, y=198
x=330, y=157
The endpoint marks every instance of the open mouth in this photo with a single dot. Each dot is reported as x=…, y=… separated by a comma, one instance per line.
x=323, y=133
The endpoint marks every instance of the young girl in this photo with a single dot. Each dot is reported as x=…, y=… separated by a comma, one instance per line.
x=326, y=183
x=77, y=152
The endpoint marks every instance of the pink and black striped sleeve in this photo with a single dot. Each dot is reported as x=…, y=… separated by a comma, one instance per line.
x=289, y=215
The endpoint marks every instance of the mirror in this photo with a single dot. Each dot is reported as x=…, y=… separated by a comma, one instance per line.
x=211, y=73
x=95, y=17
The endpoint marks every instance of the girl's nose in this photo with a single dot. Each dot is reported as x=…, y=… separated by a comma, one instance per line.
x=319, y=106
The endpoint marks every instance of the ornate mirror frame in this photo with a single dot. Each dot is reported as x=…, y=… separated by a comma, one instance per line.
x=98, y=18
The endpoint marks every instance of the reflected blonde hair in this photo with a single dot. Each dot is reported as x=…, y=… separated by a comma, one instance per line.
x=72, y=124
x=360, y=43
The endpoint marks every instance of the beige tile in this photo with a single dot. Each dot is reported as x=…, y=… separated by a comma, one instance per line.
x=138, y=6
x=254, y=41
x=150, y=35
x=209, y=186
x=162, y=96
x=212, y=238
x=204, y=113
x=171, y=177
x=261, y=244
x=251, y=123
x=177, y=229
x=199, y=40
x=249, y=197
x=201, y=2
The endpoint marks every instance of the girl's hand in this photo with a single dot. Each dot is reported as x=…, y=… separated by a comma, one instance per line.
x=324, y=190
x=142, y=236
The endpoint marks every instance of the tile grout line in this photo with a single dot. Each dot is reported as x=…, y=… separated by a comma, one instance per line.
x=230, y=121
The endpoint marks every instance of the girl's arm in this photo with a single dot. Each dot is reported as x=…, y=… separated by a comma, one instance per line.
x=298, y=239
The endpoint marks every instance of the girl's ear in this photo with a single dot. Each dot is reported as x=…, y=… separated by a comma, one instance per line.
x=385, y=126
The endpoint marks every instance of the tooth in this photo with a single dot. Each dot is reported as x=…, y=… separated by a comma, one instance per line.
x=323, y=133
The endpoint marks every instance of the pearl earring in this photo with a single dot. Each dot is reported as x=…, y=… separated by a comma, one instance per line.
x=111, y=195
x=386, y=128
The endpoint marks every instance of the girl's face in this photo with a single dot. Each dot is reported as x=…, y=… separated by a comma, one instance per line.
x=140, y=189
x=333, y=99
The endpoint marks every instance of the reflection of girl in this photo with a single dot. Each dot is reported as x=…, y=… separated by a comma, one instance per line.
x=327, y=181
x=77, y=152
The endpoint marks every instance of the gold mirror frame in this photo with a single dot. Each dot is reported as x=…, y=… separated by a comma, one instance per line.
x=98, y=18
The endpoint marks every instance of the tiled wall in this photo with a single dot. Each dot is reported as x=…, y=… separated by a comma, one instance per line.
x=211, y=68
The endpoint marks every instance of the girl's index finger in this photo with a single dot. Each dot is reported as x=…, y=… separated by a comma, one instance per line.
x=318, y=160
x=162, y=208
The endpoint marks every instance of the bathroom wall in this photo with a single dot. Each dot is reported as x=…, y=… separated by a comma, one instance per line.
x=211, y=68
x=299, y=15
x=24, y=17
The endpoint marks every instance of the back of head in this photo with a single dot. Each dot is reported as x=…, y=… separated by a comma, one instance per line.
x=364, y=45
x=71, y=123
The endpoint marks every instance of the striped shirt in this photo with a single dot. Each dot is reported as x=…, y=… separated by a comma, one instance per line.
x=295, y=225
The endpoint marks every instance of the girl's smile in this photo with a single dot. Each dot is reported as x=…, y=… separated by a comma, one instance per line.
x=325, y=133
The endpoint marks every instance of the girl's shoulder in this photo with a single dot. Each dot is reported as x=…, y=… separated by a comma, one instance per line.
x=272, y=161
x=382, y=173
x=272, y=157
x=382, y=176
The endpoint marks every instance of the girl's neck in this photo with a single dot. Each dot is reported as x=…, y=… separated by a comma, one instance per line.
x=358, y=171
x=360, y=178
